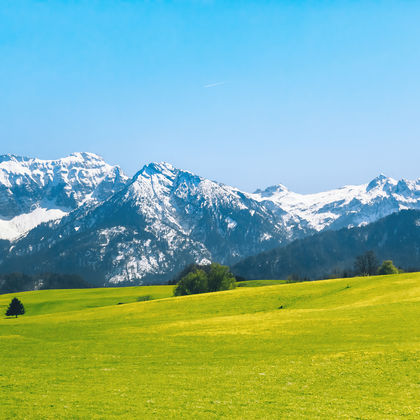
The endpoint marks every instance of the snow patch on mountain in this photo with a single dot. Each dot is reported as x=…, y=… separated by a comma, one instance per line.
x=33, y=191
x=348, y=206
x=148, y=228
x=18, y=225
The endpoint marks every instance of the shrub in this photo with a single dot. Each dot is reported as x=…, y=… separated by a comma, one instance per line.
x=220, y=278
x=211, y=278
x=189, y=269
x=193, y=283
x=387, y=267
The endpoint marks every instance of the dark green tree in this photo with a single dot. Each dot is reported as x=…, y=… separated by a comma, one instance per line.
x=387, y=267
x=366, y=264
x=220, y=278
x=15, y=308
x=204, y=278
x=193, y=283
x=188, y=269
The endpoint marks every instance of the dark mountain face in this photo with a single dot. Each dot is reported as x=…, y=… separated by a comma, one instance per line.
x=4, y=248
x=395, y=237
x=163, y=220
x=81, y=215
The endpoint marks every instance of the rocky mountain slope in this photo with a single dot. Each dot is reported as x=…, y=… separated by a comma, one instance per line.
x=163, y=219
x=353, y=205
x=143, y=230
x=33, y=191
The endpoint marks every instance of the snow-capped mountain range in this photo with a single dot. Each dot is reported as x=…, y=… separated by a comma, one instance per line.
x=352, y=205
x=33, y=191
x=112, y=229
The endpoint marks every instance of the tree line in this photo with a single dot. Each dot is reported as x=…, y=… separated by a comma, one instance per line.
x=19, y=282
x=366, y=264
x=196, y=278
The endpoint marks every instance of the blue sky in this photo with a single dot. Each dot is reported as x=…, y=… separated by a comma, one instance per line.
x=311, y=94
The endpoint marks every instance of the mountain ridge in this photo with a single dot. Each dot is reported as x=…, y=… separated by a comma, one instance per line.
x=145, y=228
x=33, y=191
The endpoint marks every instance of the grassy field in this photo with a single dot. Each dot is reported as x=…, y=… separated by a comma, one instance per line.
x=43, y=302
x=258, y=283
x=346, y=348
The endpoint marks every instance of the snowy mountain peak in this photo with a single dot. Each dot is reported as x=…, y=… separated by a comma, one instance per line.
x=406, y=187
x=272, y=190
x=8, y=157
x=83, y=158
x=381, y=181
x=87, y=156
x=48, y=189
x=156, y=168
x=166, y=217
x=163, y=174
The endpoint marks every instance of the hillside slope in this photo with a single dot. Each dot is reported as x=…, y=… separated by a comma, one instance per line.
x=395, y=237
x=163, y=220
x=346, y=348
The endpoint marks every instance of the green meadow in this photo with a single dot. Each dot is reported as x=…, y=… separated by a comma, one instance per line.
x=346, y=348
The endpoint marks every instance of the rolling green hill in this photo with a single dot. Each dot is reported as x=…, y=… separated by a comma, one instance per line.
x=346, y=348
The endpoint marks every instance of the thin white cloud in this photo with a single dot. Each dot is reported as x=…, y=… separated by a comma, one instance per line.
x=210, y=85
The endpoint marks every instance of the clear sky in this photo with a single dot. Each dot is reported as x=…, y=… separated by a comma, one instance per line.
x=310, y=94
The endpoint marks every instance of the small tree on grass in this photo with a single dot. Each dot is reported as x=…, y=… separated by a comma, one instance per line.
x=203, y=279
x=220, y=278
x=387, y=267
x=15, y=308
x=193, y=283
